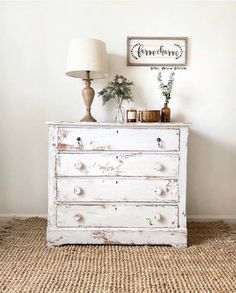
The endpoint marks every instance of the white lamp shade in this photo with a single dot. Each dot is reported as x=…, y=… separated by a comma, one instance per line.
x=87, y=55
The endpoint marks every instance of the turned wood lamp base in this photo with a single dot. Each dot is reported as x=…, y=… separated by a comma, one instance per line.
x=88, y=118
x=88, y=95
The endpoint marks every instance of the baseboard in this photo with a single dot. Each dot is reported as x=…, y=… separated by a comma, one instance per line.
x=6, y=217
x=231, y=219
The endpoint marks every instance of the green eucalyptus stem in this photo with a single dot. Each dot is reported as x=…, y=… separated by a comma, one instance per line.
x=166, y=89
x=119, y=89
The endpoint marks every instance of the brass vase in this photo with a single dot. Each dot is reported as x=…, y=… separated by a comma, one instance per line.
x=165, y=113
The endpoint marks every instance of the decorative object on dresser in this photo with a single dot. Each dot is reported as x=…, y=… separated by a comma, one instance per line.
x=149, y=116
x=131, y=115
x=119, y=89
x=117, y=183
x=166, y=91
x=87, y=59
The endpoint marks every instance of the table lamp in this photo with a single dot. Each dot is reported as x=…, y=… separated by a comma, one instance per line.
x=87, y=59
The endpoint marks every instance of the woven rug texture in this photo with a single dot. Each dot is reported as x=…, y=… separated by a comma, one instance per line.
x=27, y=265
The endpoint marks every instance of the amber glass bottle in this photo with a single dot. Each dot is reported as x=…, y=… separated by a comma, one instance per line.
x=165, y=113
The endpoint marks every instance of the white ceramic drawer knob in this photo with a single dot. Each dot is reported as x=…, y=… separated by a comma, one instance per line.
x=158, y=217
x=158, y=167
x=158, y=191
x=78, y=165
x=77, y=190
x=78, y=218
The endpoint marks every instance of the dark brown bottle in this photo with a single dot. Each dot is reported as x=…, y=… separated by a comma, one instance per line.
x=165, y=113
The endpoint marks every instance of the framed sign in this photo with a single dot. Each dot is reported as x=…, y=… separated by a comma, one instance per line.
x=159, y=51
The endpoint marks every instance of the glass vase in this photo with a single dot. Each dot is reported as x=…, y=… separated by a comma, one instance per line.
x=120, y=114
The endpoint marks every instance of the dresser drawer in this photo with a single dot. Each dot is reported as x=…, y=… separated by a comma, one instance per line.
x=119, y=216
x=82, y=139
x=117, y=190
x=117, y=164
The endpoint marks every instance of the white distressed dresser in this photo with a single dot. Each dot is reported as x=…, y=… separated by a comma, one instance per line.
x=117, y=183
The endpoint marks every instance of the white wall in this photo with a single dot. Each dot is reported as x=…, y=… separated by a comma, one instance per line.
x=34, y=36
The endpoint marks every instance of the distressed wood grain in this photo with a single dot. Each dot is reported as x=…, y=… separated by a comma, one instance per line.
x=100, y=125
x=117, y=189
x=128, y=236
x=118, y=164
x=122, y=215
x=85, y=139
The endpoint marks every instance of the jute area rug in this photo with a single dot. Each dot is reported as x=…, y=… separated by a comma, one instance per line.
x=27, y=265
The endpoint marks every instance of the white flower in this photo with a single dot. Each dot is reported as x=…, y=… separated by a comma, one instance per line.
x=120, y=80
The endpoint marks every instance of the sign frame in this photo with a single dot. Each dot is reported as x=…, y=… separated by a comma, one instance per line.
x=134, y=55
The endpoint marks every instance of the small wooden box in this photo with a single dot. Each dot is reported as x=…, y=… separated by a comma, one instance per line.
x=149, y=116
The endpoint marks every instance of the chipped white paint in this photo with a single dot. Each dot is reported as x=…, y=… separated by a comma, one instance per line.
x=174, y=236
x=118, y=139
x=117, y=216
x=118, y=164
x=116, y=190
x=139, y=125
x=113, y=183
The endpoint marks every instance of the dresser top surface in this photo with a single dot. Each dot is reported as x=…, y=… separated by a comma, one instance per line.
x=120, y=125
